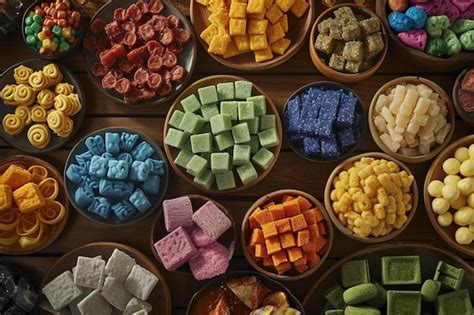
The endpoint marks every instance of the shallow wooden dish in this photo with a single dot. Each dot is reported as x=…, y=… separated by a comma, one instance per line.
x=57, y=229
x=228, y=239
x=171, y=152
x=346, y=231
x=159, y=298
x=299, y=28
x=334, y=74
x=429, y=254
x=450, y=119
x=456, y=62
x=436, y=172
x=467, y=117
x=246, y=234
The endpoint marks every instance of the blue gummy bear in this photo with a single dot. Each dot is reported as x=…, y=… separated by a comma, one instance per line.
x=98, y=166
x=127, y=141
x=73, y=173
x=156, y=166
x=84, y=157
x=112, y=142
x=115, y=188
x=127, y=157
x=139, y=171
x=90, y=181
x=117, y=169
x=139, y=200
x=95, y=145
x=100, y=206
x=84, y=196
x=142, y=151
x=400, y=22
x=152, y=184
x=418, y=15
x=123, y=210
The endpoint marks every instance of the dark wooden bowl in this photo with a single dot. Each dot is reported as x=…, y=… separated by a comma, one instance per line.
x=160, y=297
x=348, y=232
x=55, y=230
x=467, y=117
x=228, y=239
x=246, y=234
x=171, y=152
x=334, y=74
x=299, y=28
x=453, y=63
x=450, y=119
x=429, y=255
x=436, y=172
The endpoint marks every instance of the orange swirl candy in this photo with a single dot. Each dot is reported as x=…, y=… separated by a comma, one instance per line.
x=49, y=188
x=29, y=224
x=52, y=213
x=38, y=173
x=9, y=219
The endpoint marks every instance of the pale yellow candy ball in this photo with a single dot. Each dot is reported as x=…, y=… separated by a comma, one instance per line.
x=459, y=203
x=470, y=200
x=463, y=216
x=467, y=168
x=440, y=205
x=445, y=219
x=464, y=236
x=461, y=154
x=435, y=188
x=471, y=151
x=466, y=186
x=471, y=227
x=451, y=166
x=450, y=192
x=452, y=179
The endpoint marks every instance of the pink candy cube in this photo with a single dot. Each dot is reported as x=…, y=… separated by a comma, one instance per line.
x=177, y=212
x=175, y=249
x=200, y=238
x=213, y=260
x=468, y=13
x=211, y=220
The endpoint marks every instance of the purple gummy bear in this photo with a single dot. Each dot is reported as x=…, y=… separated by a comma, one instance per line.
x=431, y=7
x=468, y=13
x=450, y=10
x=414, y=38
x=462, y=5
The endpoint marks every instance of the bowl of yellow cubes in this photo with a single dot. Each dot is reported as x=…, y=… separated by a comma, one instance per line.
x=449, y=195
x=253, y=34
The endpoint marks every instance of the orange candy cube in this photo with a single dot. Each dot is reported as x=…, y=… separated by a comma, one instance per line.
x=252, y=219
x=319, y=215
x=15, y=177
x=313, y=231
x=273, y=245
x=302, y=261
x=322, y=228
x=284, y=267
x=283, y=225
x=309, y=247
x=287, y=240
x=286, y=198
x=310, y=216
x=257, y=237
x=6, y=197
x=298, y=223
x=28, y=198
x=269, y=229
x=279, y=258
x=294, y=254
x=304, y=203
x=292, y=207
x=277, y=212
x=268, y=261
x=301, y=268
x=320, y=243
x=263, y=217
x=312, y=257
x=261, y=251
x=302, y=238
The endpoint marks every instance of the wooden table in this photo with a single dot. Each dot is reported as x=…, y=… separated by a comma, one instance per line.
x=290, y=170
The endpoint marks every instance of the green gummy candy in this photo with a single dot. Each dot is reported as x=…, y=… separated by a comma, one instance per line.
x=401, y=270
x=453, y=45
x=430, y=290
x=38, y=19
x=467, y=40
x=190, y=103
x=220, y=162
x=224, y=140
x=454, y=303
x=209, y=110
x=225, y=91
x=196, y=165
x=361, y=310
x=241, y=154
x=221, y=123
x=380, y=299
x=64, y=46
x=436, y=47
x=201, y=143
x=230, y=108
x=263, y=158
x=58, y=31
x=29, y=20
x=208, y=95
x=259, y=104
x=436, y=24
x=183, y=158
x=359, y=294
x=241, y=133
x=35, y=27
x=28, y=30
x=31, y=40
x=268, y=138
x=463, y=25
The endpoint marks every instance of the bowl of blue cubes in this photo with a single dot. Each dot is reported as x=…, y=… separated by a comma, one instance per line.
x=116, y=176
x=324, y=121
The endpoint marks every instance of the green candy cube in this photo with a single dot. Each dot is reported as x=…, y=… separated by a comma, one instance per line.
x=254, y=144
x=403, y=302
x=254, y=125
x=221, y=123
x=201, y=143
x=381, y=298
x=448, y=275
x=259, y=103
x=247, y=173
x=230, y=108
x=225, y=91
x=334, y=296
x=29, y=20
x=263, y=158
x=209, y=110
x=246, y=110
x=401, y=270
x=208, y=95
x=267, y=122
x=243, y=89
x=241, y=154
x=35, y=27
x=58, y=31
x=225, y=180
x=28, y=30
x=64, y=46
x=454, y=303
x=183, y=158
x=176, y=138
x=361, y=310
x=206, y=179
x=191, y=103
x=31, y=40
x=430, y=290
x=268, y=138
x=197, y=165
x=355, y=272
x=241, y=133
x=220, y=162
x=176, y=118
x=38, y=19
x=224, y=140
x=192, y=123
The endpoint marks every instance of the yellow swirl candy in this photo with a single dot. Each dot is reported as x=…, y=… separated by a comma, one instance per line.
x=39, y=136
x=38, y=173
x=29, y=224
x=52, y=213
x=38, y=81
x=35, y=238
x=13, y=124
x=8, y=238
x=64, y=104
x=68, y=126
x=24, y=112
x=9, y=219
x=64, y=88
x=53, y=74
x=22, y=74
x=38, y=114
x=55, y=120
x=76, y=104
x=8, y=94
x=24, y=95
x=45, y=98
x=49, y=188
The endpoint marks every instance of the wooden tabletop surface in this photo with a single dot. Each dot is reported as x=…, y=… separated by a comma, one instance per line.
x=290, y=170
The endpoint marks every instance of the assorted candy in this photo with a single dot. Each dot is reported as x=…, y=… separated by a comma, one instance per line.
x=350, y=41
x=138, y=51
x=288, y=233
x=194, y=238
x=42, y=99
x=323, y=123
x=223, y=130
x=456, y=192
x=17, y=295
x=465, y=92
x=98, y=286
x=116, y=175
x=52, y=27
x=257, y=26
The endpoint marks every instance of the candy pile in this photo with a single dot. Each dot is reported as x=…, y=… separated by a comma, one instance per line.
x=350, y=42
x=465, y=93
x=40, y=97
x=359, y=294
x=323, y=123
x=456, y=192
x=259, y=26
x=440, y=28
x=288, y=233
x=222, y=130
x=17, y=296
x=371, y=197
x=411, y=119
x=96, y=286
x=52, y=27
x=116, y=175
x=138, y=51
x=29, y=209
x=194, y=238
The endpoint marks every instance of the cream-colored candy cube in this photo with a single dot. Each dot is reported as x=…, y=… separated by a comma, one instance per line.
x=394, y=135
x=422, y=120
x=413, y=127
x=422, y=105
x=402, y=122
x=424, y=90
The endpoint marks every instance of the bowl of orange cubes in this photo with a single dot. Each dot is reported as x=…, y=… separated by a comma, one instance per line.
x=287, y=235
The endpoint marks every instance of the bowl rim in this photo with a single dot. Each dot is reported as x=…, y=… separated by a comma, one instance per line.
x=164, y=180
x=325, y=83
x=347, y=232
x=450, y=117
x=191, y=89
x=447, y=238
x=467, y=117
x=346, y=77
x=58, y=177
x=245, y=228
x=160, y=217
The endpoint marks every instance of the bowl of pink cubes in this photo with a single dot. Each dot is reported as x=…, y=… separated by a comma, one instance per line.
x=194, y=235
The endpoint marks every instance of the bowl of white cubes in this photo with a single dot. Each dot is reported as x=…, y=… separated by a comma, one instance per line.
x=222, y=134
x=411, y=119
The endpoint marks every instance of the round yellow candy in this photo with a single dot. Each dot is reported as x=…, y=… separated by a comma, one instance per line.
x=445, y=219
x=461, y=154
x=458, y=203
x=471, y=227
x=451, y=166
x=435, y=187
x=464, y=236
x=467, y=168
x=464, y=216
x=440, y=205
x=450, y=192
x=470, y=200
x=452, y=179
x=466, y=186
x=471, y=151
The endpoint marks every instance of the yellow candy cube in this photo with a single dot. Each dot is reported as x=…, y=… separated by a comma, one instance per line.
x=237, y=10
x=255, y=6
x=67, y=32
x=203, y=2
x=42, y=36
x=219, y=44
x=258, y=42
x=256, y=27
x=215, y=5
x=209, y=33
x=232, y=51
x=47, y=44
x=268, y=3
x=257, y=16
x=284, y=5
x=220, y=18
x=275, y=32
x=273, y=14
x=280, y=46
x=284, y=22
x=28, y=198
x=263, y=54
x=5, y=197
x=15, y=177
x=237, y=27
x=242, y=43
x=299, y=7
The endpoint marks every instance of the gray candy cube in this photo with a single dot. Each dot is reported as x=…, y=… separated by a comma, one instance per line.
x=115, y=293
x=89, y=272
x=95, y=304
x=119, y=265
x=61, y=291
x=140, y=282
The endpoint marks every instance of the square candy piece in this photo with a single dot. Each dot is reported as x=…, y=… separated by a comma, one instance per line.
x=177, y=212
x=329, y=147
x=254, y=125
x=196, y=166
x=199, y=237
x=292, y=115
x=454, y=303
x=246, y=110
x=224, y=140
x=263, y=158
x=176, y=118
x=267, y=122
x=201, y=143
x=254, y=144
x=268, y=138
x=115, y=293
x=135, y=305
x=241, y=154
x=247, y=173
x=449, y=275
x=404, y=302
x=208, y=95
x=205, y=180
x=221, y=123
x=225, y=91
x=311, y=147
x=260, y=105
x=212, y=220
x=401, y=270
x=334, y=296
x=175, y=249
x=208, y=111
x=230, y=108
x=355, y=272
x=347, y=138
x=220, y=162
x=323, y=127
x=119, y=265
x=213, y=260
x=191, y=104
x=61, y=291
x=192, y=123
x=243, y=89
x=89, y=272
x=241, y=133
x=225, y=180
x=176, y=138
x=330, y=105
x=140, y=282
x=183, y=158
x=347, y=107
x=94, y=303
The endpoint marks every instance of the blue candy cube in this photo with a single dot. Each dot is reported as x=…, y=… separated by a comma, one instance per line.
x=112, y=143
x=311, y=147
x=100, y=206
x=156, y=166
x=323, y=127
x=127, y=157
x=123, y=210
x=152, y=184
x=84, y=157
x=115, y=189
x=108, y=156
x=142, y=151
x=95, y=145
x=330, y=104
x=117, y=169
x=128, y=141
x=84, y=196
x=292, y=115
x=346, y=113
x=347, y=138
x=329, y=148
x=98, y=166
x=309, y=113
x=139, y=171
x=139, y=200
x=73, y=173
x=91, y=181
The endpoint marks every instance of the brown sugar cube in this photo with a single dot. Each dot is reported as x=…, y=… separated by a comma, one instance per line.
x=351, y=31
x=279, y=258
x=28, y=198
x=374, y=44
x=324, y=44
x=369, y=26
x=337, y=62
x=269, y=229
x=287, y=240
x=298, y=223
x=353, y=51
x=283, y=225
x=294, y=254
x=15, y=177
x=5, y=197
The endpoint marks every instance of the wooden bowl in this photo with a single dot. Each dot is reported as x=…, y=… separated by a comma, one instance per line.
x=467, y=117
x=228, y=239
x=171, y=152
x=346, y=231
x=453, y=63
x=299, y=28
x=429, y=255
x=436, y=172
x=450, y=119
x=246, y=234
x=160, y=297
x=323, y=66
x=57, y=229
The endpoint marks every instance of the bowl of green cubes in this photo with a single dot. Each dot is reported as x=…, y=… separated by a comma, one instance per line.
x=223, y=134
x=395, y=278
